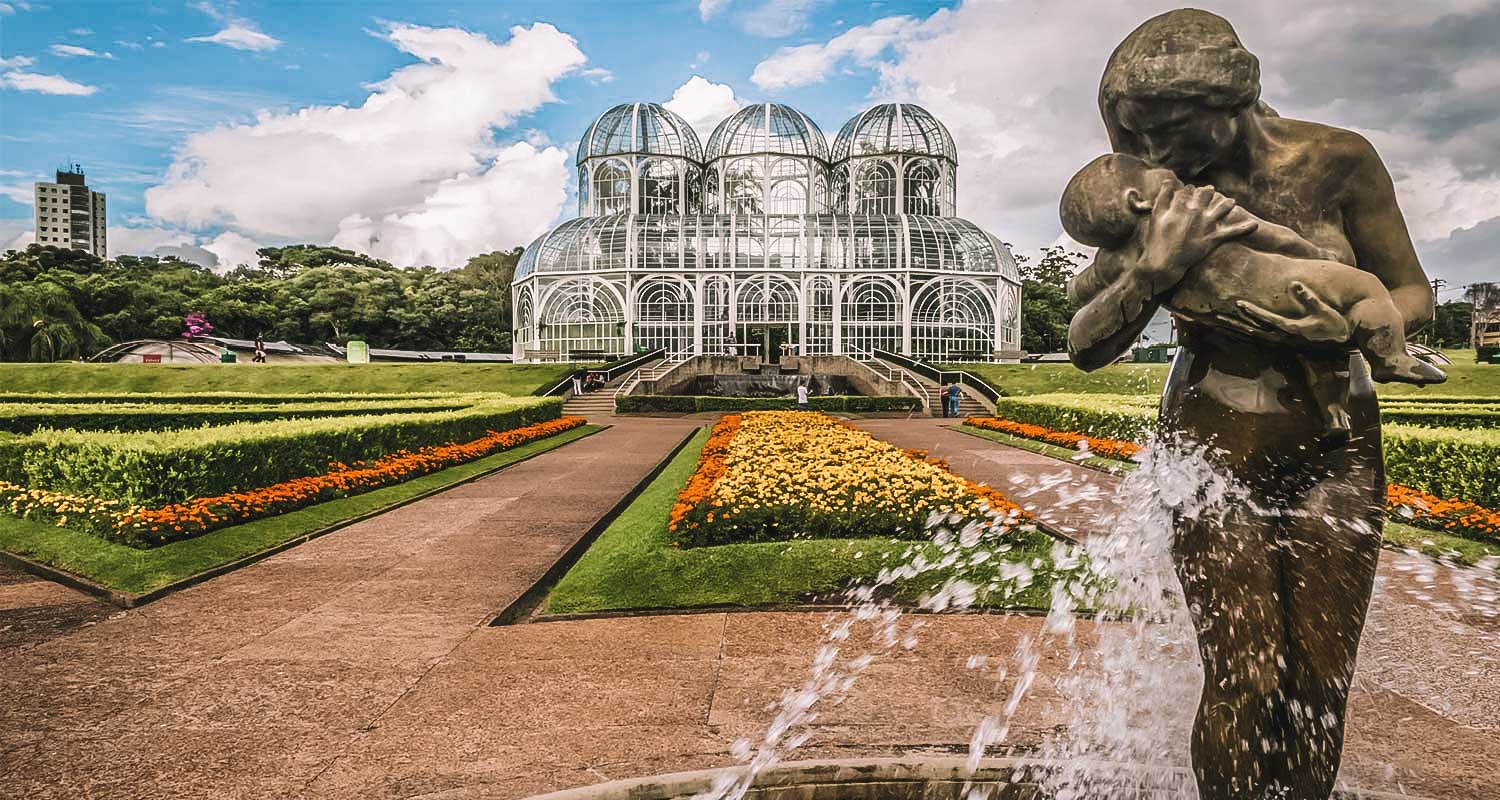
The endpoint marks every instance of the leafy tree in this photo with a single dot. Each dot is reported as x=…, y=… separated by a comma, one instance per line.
x=1045, y=310
x=1484, y=295
x=39, y=322
x=1451, y=324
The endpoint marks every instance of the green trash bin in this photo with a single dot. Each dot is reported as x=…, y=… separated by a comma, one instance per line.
x=227, y=356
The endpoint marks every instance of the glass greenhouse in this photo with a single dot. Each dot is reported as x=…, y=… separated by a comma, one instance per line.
x=767, y=241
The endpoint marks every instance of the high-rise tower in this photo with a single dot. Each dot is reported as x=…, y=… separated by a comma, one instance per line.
x=68, y=214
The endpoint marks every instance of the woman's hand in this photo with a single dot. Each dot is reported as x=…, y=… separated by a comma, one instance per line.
x=1186, y=224
x=1320, y=323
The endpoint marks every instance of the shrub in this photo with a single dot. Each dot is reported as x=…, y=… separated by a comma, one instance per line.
x=1458, y=464
x=1453, y=415
x=155, y=468
x=211, y=398
x=1109, y=416
x=29, y=417
x=687, y=404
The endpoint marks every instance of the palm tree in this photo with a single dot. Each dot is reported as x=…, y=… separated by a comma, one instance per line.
x=40, y=320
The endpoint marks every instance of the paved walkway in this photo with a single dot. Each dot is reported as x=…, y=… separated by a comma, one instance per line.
x=357, y=665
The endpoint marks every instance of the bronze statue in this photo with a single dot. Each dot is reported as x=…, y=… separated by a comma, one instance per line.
x=1269, y=375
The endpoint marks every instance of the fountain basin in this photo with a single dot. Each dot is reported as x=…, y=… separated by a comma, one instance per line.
x=899, y=779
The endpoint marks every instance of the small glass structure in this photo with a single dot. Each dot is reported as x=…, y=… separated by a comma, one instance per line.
x=768, y=241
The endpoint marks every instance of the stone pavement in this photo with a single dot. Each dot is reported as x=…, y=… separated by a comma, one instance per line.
x=358, y=665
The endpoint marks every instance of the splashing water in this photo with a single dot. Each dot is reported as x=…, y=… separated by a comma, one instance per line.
x=1133, y=677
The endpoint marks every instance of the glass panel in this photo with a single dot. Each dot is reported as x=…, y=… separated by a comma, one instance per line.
x=875, y=189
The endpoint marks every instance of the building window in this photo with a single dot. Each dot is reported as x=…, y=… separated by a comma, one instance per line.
x=744, y=187
x=612, y=187
x=922, y=179
x=875, y=189
x=660, y=188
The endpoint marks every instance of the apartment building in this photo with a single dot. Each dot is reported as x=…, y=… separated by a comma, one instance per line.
x=68, y=214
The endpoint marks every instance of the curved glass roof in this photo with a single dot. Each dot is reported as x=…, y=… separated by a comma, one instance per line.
x=860, y=242
x=644, y=128
x=894, y=128
x=767, y=128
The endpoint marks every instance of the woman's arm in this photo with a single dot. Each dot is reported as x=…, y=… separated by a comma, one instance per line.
x=1378, y=233
x=1184, y=227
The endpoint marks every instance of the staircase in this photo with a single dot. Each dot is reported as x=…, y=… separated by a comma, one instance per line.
x=968, y=405
x=596, y=404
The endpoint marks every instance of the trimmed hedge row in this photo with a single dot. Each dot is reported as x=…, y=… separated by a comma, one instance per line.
x=1447, y=462
x=1468, y=415
x=1435, y=399
x=1464, y=465
x=1110, y=416
x=211, y=398
x=156, y=468
x=688, y=404
x=30, y=417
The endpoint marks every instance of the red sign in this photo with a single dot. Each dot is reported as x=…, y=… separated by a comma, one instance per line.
x=151, y=358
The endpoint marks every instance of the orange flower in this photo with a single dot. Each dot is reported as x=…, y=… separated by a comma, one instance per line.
x=1431, y=511
x=1109, y=448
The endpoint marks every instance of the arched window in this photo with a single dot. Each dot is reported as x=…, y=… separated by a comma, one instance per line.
x=952, y=320
x=582, y=314
x=840, y=189
x=922, y=194
x=711, y=190
x=871, y=316
x=583, y=192
x=744, y=187
x=819, y=315
x=716, y=300
x=820, y=195
x=612, y=187
x=664, y=315
x=766, y=299
x=660, y=190
x=784, y=244
x=875, y=189
x=694, y=186
x=788, y=187
x=525, y=324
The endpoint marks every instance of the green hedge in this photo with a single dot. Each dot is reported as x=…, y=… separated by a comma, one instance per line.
x=1439, y=399
x=1453, y=464
x=155, y=468
x=1111, y=416
x=687, y=404
x=30, y=417
x=1453, y=415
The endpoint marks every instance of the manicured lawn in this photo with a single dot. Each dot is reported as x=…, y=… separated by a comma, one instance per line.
x=633, y=564
x=511, y=379
x=134, y=571
x=1464, y=378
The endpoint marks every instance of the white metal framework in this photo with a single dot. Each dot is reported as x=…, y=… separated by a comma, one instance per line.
x=768, y=240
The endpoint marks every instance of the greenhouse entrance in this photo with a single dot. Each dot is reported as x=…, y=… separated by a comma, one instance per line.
x=769, y=341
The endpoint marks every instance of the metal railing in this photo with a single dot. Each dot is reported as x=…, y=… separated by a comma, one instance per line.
x=882, y=370
x=655, y=372
x=932, y=373
x=609, y=373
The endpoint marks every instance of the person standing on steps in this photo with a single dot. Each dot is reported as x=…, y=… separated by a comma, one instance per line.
x=953, y=394
x=943, y=399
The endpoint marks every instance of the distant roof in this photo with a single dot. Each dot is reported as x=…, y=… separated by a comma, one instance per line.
x=385, y=354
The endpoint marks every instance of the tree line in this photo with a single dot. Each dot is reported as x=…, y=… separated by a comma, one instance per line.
x=57, y=303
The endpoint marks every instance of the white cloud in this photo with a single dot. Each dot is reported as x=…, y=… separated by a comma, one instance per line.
x=812, y=63
x=232, y=249
x=16, y=62
x=145, y=240
x=15, y=234
x=704, y=104
x=19, y=192
x=81, y=31
x=240, y=36
x=45, y=84
x=708, y=9
x=773, y=18
x=598, y=75
x=128, y=45
x=700, y=59
x=392, y=172
x=74, y=51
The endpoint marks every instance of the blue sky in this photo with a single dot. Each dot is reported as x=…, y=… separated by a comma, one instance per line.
x=216, y=126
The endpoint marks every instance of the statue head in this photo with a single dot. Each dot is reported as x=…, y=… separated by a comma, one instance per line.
x=1176, y=90
x=1106, y=202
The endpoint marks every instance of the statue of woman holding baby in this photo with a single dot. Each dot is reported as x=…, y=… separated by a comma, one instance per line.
x=1278, y=589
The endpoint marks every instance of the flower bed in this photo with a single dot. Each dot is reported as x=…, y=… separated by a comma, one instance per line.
x=779, y=475
x=142, y=526
x=1458, y=517
x=1108, y=448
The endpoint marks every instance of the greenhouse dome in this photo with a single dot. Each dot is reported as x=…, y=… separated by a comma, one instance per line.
x=761, y=241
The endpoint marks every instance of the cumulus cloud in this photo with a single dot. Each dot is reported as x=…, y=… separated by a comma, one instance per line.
x=392, y=175
x=769, y=18
x=44, y=84
x=1015, y=82
x=15, y=234
x=231, y=250
x=74, y=51
x=16, y=62
x=704, y=104
x=708, y=9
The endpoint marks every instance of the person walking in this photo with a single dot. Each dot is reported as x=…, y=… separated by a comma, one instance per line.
x=260, y=350
x=953, y=394
x=802, y=397
x=943, y=398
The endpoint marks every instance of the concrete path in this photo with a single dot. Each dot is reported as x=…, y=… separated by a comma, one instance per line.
x=357, y=665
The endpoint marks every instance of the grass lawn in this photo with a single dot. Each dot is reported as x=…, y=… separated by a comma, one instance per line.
x=66, y=377
x=633, y=564
x=1433, y=543
x=135, y=571
x=1464, y=378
